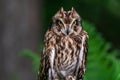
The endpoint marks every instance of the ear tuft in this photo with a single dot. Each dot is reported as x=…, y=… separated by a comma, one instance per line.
x=72, y=9
x=74, y=12
x=61, y=10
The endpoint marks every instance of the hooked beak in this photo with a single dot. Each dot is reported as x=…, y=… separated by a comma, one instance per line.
x=67, y=31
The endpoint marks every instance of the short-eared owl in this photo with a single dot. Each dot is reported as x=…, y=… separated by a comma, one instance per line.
x=65, y=50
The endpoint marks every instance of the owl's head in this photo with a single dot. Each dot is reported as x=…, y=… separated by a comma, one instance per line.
x=66, y=22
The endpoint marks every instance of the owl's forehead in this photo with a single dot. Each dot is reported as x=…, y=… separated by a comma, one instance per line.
x=66, y=16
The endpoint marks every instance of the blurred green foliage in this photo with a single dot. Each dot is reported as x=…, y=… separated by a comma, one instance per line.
x=102, y=63
x=35, y=58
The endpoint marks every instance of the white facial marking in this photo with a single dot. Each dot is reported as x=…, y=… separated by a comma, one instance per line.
x=72, y=22
x=62, y=21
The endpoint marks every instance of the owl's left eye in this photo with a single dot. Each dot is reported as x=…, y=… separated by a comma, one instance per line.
x=76, y=22
x=59, y=23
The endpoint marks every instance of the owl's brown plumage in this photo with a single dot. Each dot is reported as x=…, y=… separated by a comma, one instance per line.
x=65, y=51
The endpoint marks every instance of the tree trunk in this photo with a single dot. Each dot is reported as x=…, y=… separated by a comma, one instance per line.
x=19, y=29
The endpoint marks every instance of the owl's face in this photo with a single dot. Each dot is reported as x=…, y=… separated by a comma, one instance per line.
x=66, y=22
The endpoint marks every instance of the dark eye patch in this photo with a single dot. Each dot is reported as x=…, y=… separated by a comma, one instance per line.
x=77, y=22
x=58, y=22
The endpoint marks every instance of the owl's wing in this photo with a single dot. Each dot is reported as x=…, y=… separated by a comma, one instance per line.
x=44, y=66
x=47, y=62
x=81, y=66
x=47, y=58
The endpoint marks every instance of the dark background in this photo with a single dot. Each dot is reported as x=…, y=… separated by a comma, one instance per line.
x=24, y=22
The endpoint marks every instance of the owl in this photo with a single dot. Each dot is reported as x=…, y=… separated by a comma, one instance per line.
x=65, y=48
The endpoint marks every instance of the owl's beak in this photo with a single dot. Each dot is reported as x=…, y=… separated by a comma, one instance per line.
x=67, y=31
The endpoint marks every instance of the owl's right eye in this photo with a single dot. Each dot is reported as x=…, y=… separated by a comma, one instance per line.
x=59, y=23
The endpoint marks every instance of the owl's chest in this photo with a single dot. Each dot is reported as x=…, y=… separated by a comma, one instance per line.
x=66, y=53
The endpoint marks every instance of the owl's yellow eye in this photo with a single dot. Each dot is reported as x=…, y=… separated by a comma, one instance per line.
x=74, y=23
x=59, y=23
